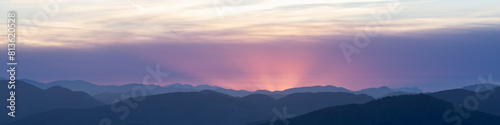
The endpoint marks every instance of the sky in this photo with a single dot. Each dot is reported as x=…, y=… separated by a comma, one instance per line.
x=259, y=44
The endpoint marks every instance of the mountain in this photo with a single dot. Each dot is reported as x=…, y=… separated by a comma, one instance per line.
x=261, y=100
x=206, y=87
x=489, y=104
x=183, y=86
x=206, y=107
x=36, y=83
x=180, y=108
x=75, y=85
x=109, y=93
x=111, y=96
x=398, y=110
x=235, y=93
x=398, y=93
x=108, y=98
x=31, y=100
x=376, y=92
x=95, y=90
x=280, y=94
x=480, y=87
x=315, y=89
x=408, y=90
x=300, y=103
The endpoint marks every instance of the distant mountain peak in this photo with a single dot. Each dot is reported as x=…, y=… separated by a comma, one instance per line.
x=206, y=87
x=376, y=92
x=179, y=85
x=408, y=89
x=317, y=88
x=58, y=88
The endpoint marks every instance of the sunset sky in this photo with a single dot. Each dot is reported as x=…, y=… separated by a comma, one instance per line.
x=258, y=44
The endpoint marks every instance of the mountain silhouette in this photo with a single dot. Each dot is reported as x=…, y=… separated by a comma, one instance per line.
x=36, y=83
x=107, y=91
x=398, y=93
x=300, y=103
x=180, y=108
x=376, y=92
x=408, y=90
x=397, y=110
x=93, y=89
x=314, y=89
x=31, y=100
x=491, y=104
x=206, y=107
x=107, y=97
x=261, y=100
x=58, y=105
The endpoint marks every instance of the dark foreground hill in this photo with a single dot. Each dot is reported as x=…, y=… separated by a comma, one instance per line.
x=193, y=108
x=398, y=110
x=301, y=103
x=486, y=101
x=183, y=108
x=31, y=100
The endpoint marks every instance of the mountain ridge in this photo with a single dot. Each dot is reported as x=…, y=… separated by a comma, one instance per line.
x=31, y=100
x=96, y=90
x=418, y=109
x=206, y=107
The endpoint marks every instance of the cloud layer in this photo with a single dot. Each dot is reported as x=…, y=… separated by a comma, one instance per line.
x=264, y=44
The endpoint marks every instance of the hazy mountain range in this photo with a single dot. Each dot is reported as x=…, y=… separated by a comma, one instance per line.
x=109, y=93
x=180, y=104
x=189, y=108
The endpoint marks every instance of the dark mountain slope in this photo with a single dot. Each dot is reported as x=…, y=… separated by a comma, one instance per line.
x=197, y=108
x=261, y=100
x=399, y=110
x=182, y=108
x=30, y=100
x=490, y=104
x=300, y=103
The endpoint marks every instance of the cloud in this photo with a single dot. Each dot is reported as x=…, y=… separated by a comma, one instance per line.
x=93, y=23
x=430, y=59
x=267, y=44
